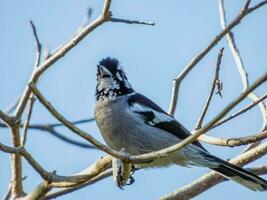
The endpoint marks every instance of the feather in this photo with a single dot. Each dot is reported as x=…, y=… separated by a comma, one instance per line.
x=155, y=116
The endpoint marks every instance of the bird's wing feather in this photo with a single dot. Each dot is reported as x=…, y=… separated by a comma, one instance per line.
x=155, y=116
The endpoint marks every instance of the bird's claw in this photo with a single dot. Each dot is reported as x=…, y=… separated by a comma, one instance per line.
x=122, y=173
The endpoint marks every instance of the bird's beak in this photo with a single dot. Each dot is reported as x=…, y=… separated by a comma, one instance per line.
x=103, y=71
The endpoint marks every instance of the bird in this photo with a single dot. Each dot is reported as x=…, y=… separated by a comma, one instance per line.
x=129, y=120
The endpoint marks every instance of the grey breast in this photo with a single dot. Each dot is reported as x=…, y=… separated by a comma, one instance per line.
x=121, y=128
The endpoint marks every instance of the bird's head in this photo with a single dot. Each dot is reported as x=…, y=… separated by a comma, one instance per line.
x=111, y=80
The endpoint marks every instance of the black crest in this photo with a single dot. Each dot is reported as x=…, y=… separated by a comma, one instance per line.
x=112, y=64
x=111, y=80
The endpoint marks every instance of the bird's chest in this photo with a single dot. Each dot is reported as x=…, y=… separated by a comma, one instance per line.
x=115, y=123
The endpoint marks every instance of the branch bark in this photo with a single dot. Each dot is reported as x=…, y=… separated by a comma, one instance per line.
x=233, y=142
x=242, y=111
x=16, y=166
x=5, y=118
x=64, y=191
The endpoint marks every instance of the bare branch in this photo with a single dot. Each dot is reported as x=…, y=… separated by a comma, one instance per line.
x=210, y=179
x=177, y=81
x=27, y=123
x=112, y=19
x=64, y=191
x=239, y=62
x=38, y=45
x=5, y=118
x=41, y=190
x=245, y=109
x=86, y=19
x=55, y=180
x=8, y=193
x=81, y=121
x=66, y=139
x=52, y=125
x=51, y=128
x=60, y=53
x=232, y=142
x=32, y=98
x=84, y=176
x=246, y=5
x=16, y=166
x=260, y=170
x=216, y=78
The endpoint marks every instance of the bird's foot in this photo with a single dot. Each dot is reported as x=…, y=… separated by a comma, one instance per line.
x=122, y=172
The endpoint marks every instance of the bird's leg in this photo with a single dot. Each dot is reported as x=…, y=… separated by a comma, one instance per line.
x=122, y=171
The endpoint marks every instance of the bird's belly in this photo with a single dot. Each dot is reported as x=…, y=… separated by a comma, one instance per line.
x=123, y=133
x=137, y=138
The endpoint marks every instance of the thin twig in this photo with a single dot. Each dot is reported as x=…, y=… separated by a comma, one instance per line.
x=86, y=19
x=27, y=123
x=51, y=128
x=32, y=98
x=38, y=45
x=232, y=142
x=243, y=110
x=112, y=19
x=66, y=139
x=246, y=4
x=216, y=78
x=80, y=121
x=52, y=125
x=8, y=193
x=210, y=179
x=177, y=81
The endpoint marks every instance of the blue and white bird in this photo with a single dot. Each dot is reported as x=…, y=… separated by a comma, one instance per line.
x=128, y=120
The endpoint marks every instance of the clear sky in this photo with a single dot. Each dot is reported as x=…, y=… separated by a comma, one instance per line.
x=152, y=57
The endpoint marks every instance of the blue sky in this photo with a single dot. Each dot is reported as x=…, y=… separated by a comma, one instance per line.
x=152, y=57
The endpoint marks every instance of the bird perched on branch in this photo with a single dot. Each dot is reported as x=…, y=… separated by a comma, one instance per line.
x=130, y=121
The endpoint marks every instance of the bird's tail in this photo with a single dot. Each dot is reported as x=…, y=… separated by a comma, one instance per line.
x=238, y=174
